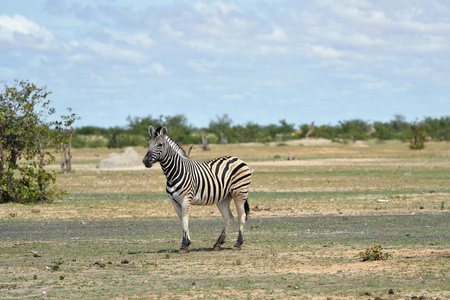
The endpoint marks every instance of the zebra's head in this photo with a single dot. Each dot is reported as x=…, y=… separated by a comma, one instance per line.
x=155, y=145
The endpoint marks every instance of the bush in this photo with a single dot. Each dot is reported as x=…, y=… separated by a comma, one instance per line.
x=374, y=253
x=25, y=136
x=420, y=135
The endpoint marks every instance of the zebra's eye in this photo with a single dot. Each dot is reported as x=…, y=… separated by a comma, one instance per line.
x=160, y=145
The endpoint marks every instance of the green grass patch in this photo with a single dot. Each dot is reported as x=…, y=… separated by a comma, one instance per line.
x=321, y=195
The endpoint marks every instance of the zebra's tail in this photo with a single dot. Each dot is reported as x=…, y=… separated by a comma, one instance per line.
x=247, y=209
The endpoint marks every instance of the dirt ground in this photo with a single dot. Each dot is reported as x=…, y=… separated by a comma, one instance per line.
x=310, y=219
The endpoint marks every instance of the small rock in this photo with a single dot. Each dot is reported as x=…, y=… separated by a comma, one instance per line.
x=125, y=261
x=256, y=208
x=391, y=292
x=100, y=264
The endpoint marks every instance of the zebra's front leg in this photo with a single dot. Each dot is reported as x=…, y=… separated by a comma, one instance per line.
x=224, y=208
x=183, y=213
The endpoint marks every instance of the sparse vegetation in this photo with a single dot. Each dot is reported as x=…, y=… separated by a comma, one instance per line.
x=56, y=264
x=419, y=134
x=116, y=235
x=374, y=253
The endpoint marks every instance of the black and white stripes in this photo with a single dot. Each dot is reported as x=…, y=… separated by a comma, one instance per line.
x=190, y=182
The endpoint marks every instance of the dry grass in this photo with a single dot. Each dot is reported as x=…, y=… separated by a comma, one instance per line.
x=298, y=241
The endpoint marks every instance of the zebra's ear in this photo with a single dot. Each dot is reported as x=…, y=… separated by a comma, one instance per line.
x=163, y=131
x=151, y=131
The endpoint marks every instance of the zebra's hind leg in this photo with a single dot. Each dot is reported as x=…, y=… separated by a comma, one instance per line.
x=224, y=208
x=242, y=207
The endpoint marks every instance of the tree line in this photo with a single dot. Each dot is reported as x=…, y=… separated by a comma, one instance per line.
x=221, y=130
x=28, y=137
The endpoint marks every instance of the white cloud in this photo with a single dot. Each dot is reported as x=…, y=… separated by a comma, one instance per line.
x=112, y=52
x=134, y=39
x=354, y=39
x=158, y=68
x=17, y=32
x=277, y=35
x=326, y=52
x=217, y=7
x=203, y=45
x=202, y=66
x=233, y=97
x=358, y=77
x=166, y=28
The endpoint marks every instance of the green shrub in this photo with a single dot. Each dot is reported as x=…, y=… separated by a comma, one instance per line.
x=374, y=253
x=420, y=135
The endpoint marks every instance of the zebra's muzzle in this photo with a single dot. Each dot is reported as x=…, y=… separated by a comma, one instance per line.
x=148, y=162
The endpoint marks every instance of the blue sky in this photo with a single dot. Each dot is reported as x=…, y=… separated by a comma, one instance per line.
x=257, y=61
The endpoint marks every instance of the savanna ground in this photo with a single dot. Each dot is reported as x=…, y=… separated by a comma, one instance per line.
x=116, y=235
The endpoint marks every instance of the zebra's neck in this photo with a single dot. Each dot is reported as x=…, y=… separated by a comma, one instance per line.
x=173, y=165
x=175, y=146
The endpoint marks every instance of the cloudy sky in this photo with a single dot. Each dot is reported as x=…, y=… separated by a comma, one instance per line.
x=258, y=61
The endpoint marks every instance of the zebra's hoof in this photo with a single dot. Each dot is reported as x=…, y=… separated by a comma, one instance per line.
x=217, y=248
x=183, y=251
x=236, y=248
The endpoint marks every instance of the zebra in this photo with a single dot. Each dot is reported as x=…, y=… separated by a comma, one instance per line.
x=216, y=181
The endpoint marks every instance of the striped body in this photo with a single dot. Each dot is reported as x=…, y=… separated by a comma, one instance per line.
x=189, y=182
x=206, y=183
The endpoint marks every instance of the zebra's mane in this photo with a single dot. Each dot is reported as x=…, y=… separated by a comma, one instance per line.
x=172, y=143
x=175, y=146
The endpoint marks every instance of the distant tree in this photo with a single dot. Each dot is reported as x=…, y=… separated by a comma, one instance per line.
x=399, y=123
x=286, y=127
x=309, y=130
x=179, y=129
x=304, y=129
x=139, y=125
x=66, y=134
x=401, y=128
x=438, y=129
x=222, y=130
x=383, y=131
x=354, y=129
x=420, y=134
x=221, y=127
x=25, y=136
x=177, y=125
